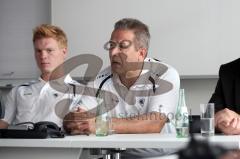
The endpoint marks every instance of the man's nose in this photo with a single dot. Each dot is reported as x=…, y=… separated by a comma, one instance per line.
x=114, y=51
x=43, y=54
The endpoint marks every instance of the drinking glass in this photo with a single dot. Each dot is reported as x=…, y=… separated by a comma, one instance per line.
x=207, y=119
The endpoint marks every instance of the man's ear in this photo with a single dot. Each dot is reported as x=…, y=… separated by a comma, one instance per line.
x=65, y=52
x=143, y=52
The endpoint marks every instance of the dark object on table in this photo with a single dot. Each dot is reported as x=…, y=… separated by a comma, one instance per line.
x=40, y=130
x=194, y=124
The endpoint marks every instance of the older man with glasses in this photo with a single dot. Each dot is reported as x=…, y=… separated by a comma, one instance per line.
x=144, y=90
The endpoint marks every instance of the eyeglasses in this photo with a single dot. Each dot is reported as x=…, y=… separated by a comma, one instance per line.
x=124, y=44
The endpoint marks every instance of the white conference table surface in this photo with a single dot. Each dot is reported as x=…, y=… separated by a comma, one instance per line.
x=70, y=146
x=119, y=141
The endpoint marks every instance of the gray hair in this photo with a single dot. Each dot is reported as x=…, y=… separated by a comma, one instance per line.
x=141, y=32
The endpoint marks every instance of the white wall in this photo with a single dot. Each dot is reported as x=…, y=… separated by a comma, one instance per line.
x=195, y=36
x=17, y=20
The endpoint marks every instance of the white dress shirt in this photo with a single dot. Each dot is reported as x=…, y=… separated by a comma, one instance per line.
x=140, y=97
x=39, y=101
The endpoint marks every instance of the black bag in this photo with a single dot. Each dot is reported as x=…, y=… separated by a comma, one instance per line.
x=40, y=130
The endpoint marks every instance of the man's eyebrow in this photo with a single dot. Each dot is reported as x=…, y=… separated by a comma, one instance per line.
x=37, y=49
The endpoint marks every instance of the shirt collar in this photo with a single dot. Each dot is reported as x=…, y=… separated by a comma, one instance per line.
x=67, y=79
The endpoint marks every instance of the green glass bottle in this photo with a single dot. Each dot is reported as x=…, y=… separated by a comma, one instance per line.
x=102, y=120
x=181, y=117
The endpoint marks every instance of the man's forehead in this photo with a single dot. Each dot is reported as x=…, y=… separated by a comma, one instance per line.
x=45, y=42
x=122, y=34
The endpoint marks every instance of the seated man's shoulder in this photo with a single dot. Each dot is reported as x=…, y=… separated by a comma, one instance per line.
x=160, y=68
x=232, y=65
x=22, y=87
x=230, y=69
x=27, y=84
x=104, y=75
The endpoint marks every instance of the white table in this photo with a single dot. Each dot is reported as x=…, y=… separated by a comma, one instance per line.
x=70, y=146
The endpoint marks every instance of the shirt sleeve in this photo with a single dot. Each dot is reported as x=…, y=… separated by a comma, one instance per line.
x=166, y=102
x=218, y=97
x=10, y=106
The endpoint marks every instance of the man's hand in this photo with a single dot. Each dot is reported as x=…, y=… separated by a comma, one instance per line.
x=3, y=124
x=227, y=121
x=232, y=129
x=79, y=122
